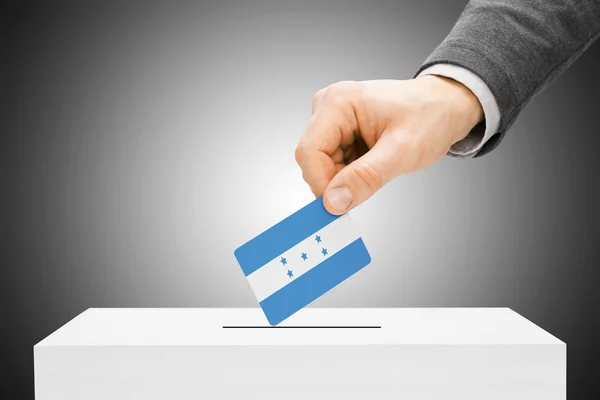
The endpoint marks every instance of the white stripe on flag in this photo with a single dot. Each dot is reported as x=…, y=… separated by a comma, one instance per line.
x=272, y=276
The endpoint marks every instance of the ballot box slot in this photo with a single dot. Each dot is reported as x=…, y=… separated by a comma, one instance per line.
x=302, y=327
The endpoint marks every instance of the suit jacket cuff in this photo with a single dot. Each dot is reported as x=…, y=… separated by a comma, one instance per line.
x=470, y=145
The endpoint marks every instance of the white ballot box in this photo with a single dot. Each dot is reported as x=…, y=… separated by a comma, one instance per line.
x=339, y=353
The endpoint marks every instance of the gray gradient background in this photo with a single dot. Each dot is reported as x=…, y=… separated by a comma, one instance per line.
x=144, y=142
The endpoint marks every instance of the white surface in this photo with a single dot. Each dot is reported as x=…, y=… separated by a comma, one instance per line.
x=204, y=327
x=272, y=276
x=186, y=353
x=473, y=142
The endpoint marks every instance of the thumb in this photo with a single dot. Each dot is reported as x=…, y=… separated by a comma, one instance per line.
x=358, y=181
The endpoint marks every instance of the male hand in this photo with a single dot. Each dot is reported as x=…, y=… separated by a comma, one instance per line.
x=361, y=135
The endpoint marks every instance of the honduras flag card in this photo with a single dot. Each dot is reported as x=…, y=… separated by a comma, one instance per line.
x=301, y=258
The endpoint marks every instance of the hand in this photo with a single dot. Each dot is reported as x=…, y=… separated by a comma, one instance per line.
x=361, y=135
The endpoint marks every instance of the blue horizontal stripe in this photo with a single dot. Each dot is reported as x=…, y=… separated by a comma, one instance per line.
x=284, y=235
x=316, y=282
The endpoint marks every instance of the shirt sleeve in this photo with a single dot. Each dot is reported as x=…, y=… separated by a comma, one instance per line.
x=470, y=145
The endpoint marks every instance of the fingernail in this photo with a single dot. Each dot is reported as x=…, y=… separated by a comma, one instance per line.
x=340, y=198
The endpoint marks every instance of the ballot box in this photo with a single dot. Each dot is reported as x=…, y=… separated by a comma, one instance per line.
x=338, y=353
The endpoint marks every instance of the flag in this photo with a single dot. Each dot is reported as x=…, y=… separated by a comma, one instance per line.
x=301, y=258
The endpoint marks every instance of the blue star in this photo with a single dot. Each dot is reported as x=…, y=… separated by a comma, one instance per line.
x=324, y=251
x=304, y=256
x=283, y=261
x=290, y=273
x=318, y=239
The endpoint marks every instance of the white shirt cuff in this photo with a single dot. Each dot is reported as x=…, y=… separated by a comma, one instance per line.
x=471, y=144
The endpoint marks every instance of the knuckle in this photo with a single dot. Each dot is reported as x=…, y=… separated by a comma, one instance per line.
x=341, y=94
x=305, y=177
x=369, y=176
x=341, y=86
x=337, y=99
x=300, y=153
x=318, y=95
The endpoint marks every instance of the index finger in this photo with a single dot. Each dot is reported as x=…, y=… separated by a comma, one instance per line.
x=319, y=152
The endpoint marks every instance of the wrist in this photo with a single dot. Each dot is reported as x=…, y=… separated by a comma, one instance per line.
x=462, y=102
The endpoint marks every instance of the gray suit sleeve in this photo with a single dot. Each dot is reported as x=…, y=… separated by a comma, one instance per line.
x=518, y=47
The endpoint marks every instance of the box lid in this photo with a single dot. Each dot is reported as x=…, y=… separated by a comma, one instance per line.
x=310, y=326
